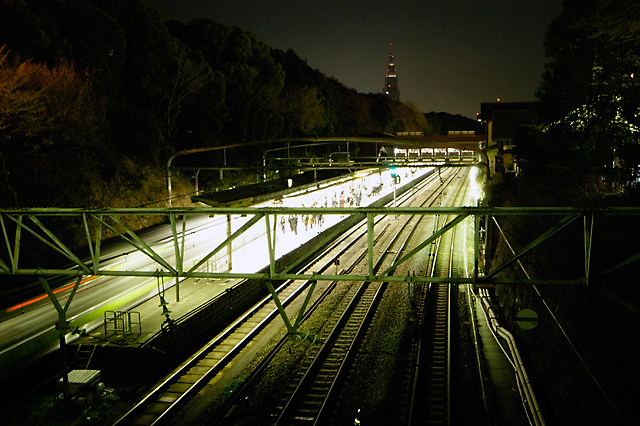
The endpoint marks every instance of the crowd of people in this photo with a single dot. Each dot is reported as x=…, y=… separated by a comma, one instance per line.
x=349, y=197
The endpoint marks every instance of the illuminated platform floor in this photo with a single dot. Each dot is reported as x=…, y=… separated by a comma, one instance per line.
x=193, y=293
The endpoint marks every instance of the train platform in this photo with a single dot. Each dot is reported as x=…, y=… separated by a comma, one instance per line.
x=143, y=323
x=139, y=325
x=136, y=324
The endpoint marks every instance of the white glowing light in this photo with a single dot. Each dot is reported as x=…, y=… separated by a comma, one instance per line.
x=249, y=253
x=474, y=189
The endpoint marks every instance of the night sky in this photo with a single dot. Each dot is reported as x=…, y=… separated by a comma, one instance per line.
x=450, y=55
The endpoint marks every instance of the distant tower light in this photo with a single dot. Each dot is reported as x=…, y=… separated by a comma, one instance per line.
x=391, y=79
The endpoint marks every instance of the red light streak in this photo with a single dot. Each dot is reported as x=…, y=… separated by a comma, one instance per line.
x=44, y=296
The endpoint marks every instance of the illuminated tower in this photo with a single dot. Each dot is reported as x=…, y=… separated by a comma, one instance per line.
x=391, y=81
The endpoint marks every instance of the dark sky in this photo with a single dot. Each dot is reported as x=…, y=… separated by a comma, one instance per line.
x=450, y=55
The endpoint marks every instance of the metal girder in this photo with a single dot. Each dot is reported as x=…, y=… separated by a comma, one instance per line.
x=179, y=248
x=370, y=238
x=54, y=244
x=95, y=221
x=223, y=244
x=283, y=313
x=13, y=254
x=588, y=238
x=619, y=265
x=94, y=251
x=426, y=242
x=138, y=242
x=533, y=244
x=271, y=246
x=62, y=324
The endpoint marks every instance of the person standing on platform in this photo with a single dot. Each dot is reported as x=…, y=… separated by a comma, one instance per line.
x=293, y=223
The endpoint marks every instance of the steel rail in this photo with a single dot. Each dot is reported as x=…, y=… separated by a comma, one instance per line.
x=309, y=407
x=264, y=309
x=165, y=399
x=397, y=255
x=430, y=400
x=339, y=343
x=237, y=399
x=413, y=367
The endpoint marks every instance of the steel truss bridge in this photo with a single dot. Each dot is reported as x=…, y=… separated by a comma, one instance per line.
x=40, y=225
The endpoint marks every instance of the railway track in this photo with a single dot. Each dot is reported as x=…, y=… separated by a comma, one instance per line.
x=184, y=382
x=431, y=399
x=165, y=399
x=321, y=370
x=310, y=398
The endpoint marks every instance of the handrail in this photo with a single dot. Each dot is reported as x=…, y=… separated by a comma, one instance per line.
x=525, y=388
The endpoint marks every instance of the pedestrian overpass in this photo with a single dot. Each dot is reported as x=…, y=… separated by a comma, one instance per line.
x=38, y=229
x=330, y=153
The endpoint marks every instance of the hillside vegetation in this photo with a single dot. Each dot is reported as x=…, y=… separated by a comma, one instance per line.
x=95, y=95
x=582, y=151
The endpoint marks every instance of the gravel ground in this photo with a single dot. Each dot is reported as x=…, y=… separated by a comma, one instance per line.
x=374, y=383
x=373, y=386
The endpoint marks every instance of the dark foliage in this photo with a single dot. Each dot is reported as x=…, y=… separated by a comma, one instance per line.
x=590, y=90
x=156, y=87
x=442, y=123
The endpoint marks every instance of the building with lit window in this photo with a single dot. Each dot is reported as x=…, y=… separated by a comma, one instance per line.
x=502, y=121
x=391, y=81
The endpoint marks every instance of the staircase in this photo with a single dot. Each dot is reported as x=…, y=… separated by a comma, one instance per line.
x=83, y=357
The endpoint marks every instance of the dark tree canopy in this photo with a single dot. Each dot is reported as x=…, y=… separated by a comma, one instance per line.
x=128, y=89
x=591, y=87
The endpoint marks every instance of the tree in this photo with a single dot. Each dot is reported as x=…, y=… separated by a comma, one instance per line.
x=352, y=113
x=590, y=88
x=381, y=113
x=252, y=79
x=254, y=83
x=50, y=122
x=21, y=113
x=302, y=111
x=21, y=104
x=418, y=119
x=189, y=80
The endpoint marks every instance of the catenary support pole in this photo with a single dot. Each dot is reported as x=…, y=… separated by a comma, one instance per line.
x=62, y=326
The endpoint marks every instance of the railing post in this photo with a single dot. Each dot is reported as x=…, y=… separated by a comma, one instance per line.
x=588, y=235
x=476, y=246
x=370, y=241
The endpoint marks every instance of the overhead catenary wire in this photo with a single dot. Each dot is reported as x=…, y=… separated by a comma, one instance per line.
x=562, y=330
